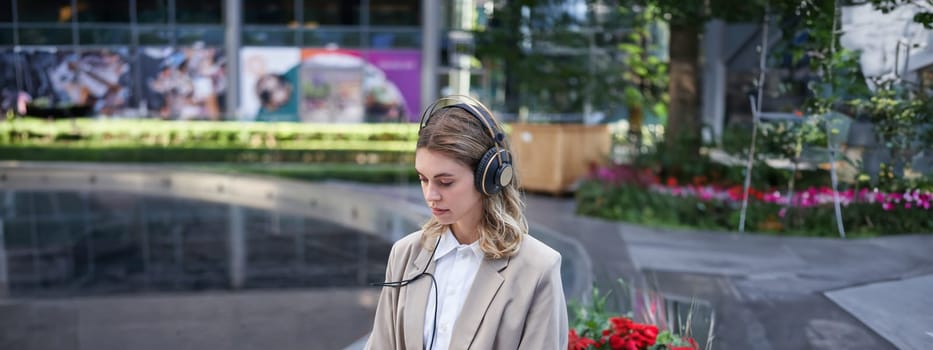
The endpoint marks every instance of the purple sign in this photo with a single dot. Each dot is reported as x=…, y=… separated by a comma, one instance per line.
x=403, y=68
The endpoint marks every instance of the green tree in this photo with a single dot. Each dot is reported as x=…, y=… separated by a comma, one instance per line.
x=546, y=51
x=557, y=60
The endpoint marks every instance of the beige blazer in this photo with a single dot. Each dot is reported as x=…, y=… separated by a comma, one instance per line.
x=514, y=303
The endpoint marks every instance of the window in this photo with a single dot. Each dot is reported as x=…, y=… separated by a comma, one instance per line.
x=152, y=11
x=268, y=37
x=44, y=10
x=104, y=11
x=395, y=12
x=155, y=36
x=340, y=38
x=324, y=12
x=202, y=11
x=45, y=36
x=208, y=35
x=92, y=35
x=6, y=11
x=6, y=36
x=269, y=12
x=397, y=38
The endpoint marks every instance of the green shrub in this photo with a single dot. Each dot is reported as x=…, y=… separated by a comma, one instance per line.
x=198, y=141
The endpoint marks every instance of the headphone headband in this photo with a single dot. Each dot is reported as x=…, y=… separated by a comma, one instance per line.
x=469, y=104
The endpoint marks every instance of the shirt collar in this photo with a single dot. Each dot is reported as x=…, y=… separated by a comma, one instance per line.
x=449, y=243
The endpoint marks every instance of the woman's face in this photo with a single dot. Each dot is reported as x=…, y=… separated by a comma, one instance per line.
x=448, y=189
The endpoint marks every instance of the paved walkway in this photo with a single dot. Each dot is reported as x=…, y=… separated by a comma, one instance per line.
x=768, y=292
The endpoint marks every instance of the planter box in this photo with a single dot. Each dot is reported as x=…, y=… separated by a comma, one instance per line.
x=553, y=157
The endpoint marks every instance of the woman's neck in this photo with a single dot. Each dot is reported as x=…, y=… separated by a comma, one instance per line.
x=465, y=234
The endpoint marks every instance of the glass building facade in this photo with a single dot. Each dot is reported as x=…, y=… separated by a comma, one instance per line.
x=357, y=24
x=168, y=58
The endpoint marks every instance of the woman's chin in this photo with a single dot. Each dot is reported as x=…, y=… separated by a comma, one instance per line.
x=443, y=220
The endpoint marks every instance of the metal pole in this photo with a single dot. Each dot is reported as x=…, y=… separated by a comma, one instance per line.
x=365, y=27
x=833, y=177
x=75, y=38
x=832, y=150
x=173, y=38
x=300, y=19
x=430, y=50
x=234, y=23
x=134, y=55
x=17, y=59
x=762, y=66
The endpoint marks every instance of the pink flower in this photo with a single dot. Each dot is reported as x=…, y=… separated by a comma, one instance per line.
x=887, y=206
x=772, y=197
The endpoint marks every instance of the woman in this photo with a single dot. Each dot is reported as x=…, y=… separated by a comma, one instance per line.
x=472, y=278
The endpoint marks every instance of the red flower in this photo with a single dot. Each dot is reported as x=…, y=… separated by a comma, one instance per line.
x=645, y=335
x=579, y=343
x=624, y=334
x=671, y=182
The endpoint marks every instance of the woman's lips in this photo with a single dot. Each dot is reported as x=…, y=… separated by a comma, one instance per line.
x=437, y=211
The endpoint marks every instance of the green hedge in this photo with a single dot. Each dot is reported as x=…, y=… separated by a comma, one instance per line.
x=200, y=141
x=637, y=204
x=158, y=132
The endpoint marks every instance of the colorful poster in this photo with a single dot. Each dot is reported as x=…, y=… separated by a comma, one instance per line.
x=63, y=82
x=269, y=83
x=9, y=92
x=276, y=84
x=183, y=83
x=330, y=85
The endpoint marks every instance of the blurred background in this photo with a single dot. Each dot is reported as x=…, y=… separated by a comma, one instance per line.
x=231, y=174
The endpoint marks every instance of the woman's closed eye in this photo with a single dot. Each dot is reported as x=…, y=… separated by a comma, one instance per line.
x=424, y=181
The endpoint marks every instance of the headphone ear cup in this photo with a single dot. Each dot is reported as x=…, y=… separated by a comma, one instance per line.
x=504, y=176
x=486, y=175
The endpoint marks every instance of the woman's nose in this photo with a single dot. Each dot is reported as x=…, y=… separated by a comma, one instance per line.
x=431, y=194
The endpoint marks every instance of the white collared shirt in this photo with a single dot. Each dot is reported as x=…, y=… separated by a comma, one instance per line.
x=455, y=270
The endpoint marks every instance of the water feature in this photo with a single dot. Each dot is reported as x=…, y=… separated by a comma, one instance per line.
x=64, y=244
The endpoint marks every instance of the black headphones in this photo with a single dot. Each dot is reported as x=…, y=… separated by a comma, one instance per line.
x=494, y=170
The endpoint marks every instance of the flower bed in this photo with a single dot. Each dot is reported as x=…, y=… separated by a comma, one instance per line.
x=638, y=195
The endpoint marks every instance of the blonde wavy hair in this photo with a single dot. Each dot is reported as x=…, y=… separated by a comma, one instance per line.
x=462, y=137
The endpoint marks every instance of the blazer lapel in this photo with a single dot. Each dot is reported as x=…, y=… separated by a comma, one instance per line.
x=416, y=300
x=485, y=286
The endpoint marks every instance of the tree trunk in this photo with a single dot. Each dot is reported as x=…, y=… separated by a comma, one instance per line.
x=683, y=123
